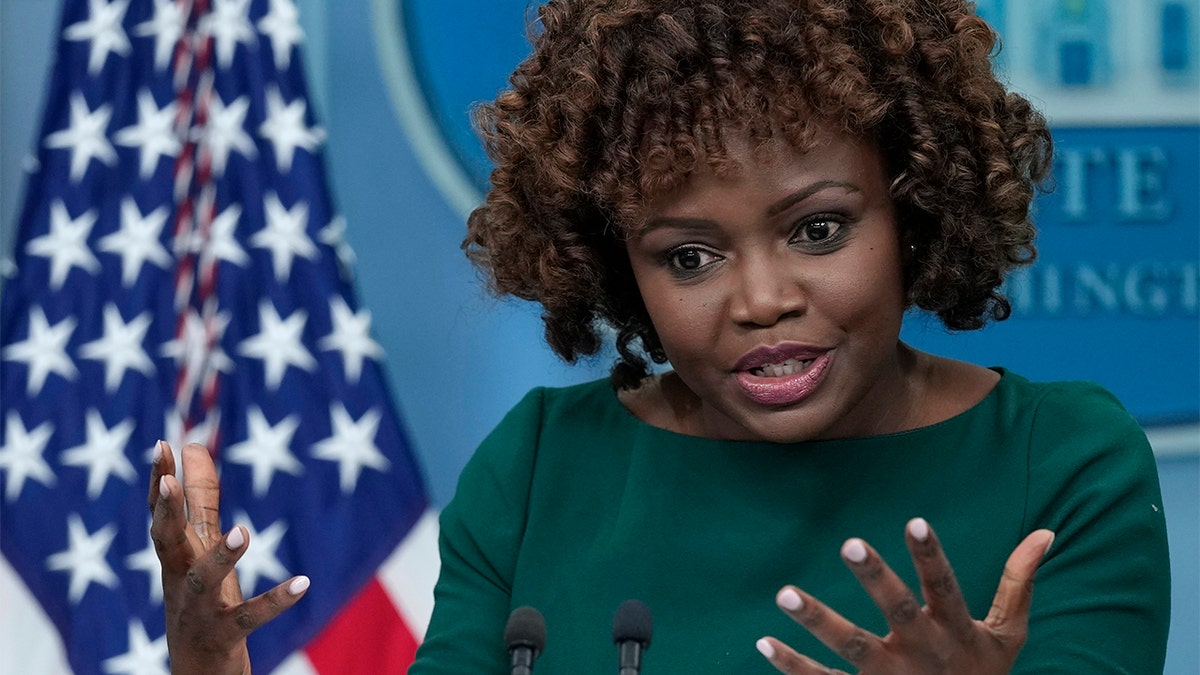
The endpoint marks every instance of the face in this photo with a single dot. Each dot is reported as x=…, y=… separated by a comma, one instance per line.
x=778, y=293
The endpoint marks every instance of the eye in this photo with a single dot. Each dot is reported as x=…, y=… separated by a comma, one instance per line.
x=820, y=233
x=817, y=230
x=690, y=258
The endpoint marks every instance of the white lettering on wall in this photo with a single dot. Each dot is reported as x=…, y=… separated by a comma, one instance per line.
x=1149, y=289
x=1139, y=175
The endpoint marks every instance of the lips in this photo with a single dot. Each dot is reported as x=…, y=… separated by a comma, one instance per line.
x=783, y=374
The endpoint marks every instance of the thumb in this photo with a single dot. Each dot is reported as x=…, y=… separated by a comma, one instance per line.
x=1010, y=607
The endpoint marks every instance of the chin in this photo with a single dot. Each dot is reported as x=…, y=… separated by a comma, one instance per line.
x=795, y=425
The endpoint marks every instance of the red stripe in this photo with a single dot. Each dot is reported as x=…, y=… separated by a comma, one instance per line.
x=369, y=636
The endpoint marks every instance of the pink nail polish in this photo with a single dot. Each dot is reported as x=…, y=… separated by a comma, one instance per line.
x=855, y=551
x=298, y=585
x=163, y=490
x=919, y=529
x=158, y=453
x=235, y=539
x=765, y=648
x=790, y=600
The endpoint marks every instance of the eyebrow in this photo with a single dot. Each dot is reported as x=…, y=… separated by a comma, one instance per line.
x=772, y=210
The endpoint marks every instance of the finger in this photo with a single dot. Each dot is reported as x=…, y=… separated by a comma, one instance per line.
x=262, y=608
x=890, y=593
x=163, y=464
x=939, y=586
x=202, y=492
x=174, y=542
x=1010, y=608
x=208, y=573
x=786, y=660
x=846, y=639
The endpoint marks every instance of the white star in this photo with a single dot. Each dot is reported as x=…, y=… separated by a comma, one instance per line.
x=224, y=132
x=44, y=350
x=259, y=560
x=221, y=244
x=333, y=235
x=352, y=336
x=146, y=560
x=278, y=343
x=265, y=450
x=103, y=28
x=66, y=244
x=84, y=557
x=228, y=24
x=166, y=27
x=285, y=128
x=282, y=25
x=137, y=242
x=197, y=350
x=154, y=133
x=103, y=454
x=143, y=658
x=352, y=445
x=121, y=347
x=284, y=235
x=21, y=455
x=85, y=136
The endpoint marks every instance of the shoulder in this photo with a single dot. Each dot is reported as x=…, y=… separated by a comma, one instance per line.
x=1068, y=410
x=1022, y=402
x=495, y=484
x=552, y=407
x=541, y=417
x=1086, y=453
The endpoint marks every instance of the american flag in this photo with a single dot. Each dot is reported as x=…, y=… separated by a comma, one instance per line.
x=180, y=273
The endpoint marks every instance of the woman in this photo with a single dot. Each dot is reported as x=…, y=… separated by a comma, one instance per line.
x=755, y=193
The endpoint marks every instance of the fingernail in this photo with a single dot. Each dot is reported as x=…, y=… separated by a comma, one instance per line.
x=855, y=551
x=163, y=490
x=764, y=647
x=158, y=453
x=789, y=600
x=235, y=539
x=298, y=585
x=919, y=529
x=1049, y=543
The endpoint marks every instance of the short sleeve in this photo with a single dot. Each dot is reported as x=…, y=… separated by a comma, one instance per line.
x=481, y=532
x=1101, y=600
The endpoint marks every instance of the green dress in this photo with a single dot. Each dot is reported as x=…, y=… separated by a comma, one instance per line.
x=572, y=505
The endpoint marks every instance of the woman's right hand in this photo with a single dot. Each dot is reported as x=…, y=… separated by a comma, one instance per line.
x=207, y=619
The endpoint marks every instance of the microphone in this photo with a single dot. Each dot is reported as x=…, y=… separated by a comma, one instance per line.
x=525, y=635
x=632, y=627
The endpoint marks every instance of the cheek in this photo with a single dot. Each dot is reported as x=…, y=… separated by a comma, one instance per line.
x=871, y=292
x=687, y=323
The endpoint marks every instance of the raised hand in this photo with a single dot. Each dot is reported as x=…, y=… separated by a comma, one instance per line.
x=207, y=619
x=940, y=637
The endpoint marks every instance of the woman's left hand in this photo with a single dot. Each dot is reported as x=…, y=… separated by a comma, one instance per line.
x=940, y=637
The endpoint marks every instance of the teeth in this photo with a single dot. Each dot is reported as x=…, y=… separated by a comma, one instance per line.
x=789, y=367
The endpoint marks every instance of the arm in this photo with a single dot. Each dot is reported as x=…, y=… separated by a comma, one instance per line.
x=481, y=532
x=1103, y=598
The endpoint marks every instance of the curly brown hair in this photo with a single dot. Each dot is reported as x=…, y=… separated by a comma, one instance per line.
x=624, y=99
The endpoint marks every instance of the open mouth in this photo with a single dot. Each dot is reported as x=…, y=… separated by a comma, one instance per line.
x=785, y=382
x=789, y=367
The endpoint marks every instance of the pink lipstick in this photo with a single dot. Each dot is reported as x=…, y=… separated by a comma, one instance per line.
x=784, y=374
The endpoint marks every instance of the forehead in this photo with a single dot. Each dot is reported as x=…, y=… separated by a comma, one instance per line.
x=754, y=171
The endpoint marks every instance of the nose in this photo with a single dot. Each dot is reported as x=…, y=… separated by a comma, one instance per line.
x=766, y=293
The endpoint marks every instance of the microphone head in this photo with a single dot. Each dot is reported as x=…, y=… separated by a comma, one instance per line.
x=525, y=628
x=632, y=623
